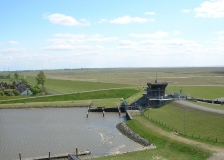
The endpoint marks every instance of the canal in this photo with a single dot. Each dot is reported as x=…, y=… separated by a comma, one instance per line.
x=36, y=132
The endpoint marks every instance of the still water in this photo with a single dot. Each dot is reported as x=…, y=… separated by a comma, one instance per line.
x=35, y=132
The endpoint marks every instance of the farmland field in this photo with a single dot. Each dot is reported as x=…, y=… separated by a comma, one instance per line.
x=140, y=76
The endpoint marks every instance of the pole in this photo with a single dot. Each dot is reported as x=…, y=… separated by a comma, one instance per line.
x=19, y=156
x=49, y=155
x=184, y=119
x=76, y=150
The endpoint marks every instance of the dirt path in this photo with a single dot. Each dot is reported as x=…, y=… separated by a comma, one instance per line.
x=219, y=152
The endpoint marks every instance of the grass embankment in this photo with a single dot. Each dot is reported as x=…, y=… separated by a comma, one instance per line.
x=197, y=123
x=105, y=94
x=68, y=86
x=135, y=97
x=166, y=148
x=207, y=92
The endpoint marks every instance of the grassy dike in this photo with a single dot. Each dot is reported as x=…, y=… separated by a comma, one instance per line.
x=166, y=148
x=102, y=94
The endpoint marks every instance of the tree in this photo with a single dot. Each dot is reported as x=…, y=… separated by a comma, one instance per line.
x=35, y=90
x=41, y=78
x=8, y=76
x=16, y=76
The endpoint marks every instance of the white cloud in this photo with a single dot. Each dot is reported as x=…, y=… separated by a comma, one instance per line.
x=101, y=39
x=220, y=32
x=64, y=41
x=159, y=34
x=149, y=13
x=103, y=20
x=13, y=42
x=71, y=39
x=186, y=10
x=181, y=43
x=211, y=9
x=128, y=19
x=175, y=33
x=71, y=47
x=127, y=44
x=14, y=50
x=221, y=38
x=66, y=20
x=59, y=47
x=68, y=35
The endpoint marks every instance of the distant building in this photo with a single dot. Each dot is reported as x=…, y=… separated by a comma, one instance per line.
x=23, y=89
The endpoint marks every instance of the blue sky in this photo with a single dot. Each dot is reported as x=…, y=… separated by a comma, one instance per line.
x=58, y=34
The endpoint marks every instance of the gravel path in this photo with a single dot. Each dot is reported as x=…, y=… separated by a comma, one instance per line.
x=185, y=103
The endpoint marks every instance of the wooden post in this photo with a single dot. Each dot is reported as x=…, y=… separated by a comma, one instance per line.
x=76, y=150
x=19, y=156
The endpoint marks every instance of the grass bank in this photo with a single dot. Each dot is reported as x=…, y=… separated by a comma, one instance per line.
x=104, y=94
x=166, y=148
x=195, y=123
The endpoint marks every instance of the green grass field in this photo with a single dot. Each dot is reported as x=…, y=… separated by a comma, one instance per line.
x=104, y=94
x=207, y=92
x=68, y=86
x=197, y=123
x=167, y=149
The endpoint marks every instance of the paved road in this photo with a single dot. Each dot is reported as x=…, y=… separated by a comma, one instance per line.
x=185, y=103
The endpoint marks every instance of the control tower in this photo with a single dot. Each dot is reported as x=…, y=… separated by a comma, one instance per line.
x=155, y=94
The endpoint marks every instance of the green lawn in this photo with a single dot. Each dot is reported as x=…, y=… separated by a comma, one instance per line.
x=196, y=122
x=207, y=92
x=166, y=148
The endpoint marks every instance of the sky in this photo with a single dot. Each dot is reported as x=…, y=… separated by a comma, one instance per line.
x=72, y=34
